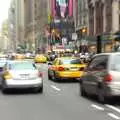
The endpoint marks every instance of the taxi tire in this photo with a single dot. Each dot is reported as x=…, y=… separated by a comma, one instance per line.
x=54, y=78
x=49, y=76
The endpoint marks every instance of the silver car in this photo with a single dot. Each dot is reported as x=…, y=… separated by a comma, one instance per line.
x=102, y=77
x=21, y=75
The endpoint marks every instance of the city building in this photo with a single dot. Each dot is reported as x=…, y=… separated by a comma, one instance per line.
x=81, y=7
x=104, y=16
x=80, y=13
x=61, y=23
x=16, y=23
x=11, y=24
x=35, y=19
x=29, y=24
x=104, y=19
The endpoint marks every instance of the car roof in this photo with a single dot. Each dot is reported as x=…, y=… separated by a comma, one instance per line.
x=110, y=54
x=67, y=58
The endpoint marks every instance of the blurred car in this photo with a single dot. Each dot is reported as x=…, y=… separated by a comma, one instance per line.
x=22, y=75
x=19, y=57
x=29, y=56
x=2, y=65
x=102, y=77
x=40, y=59
x=3, y=57
x=66, y=68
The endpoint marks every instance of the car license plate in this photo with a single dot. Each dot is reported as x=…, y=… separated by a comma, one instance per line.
x=73, y=69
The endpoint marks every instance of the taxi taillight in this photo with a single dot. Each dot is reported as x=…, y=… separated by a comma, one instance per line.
x=61, y=68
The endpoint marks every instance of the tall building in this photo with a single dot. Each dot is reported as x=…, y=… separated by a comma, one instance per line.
x=81, y=18
x=104, y=20
x=29, y=24
x=12, y=28
x=104, y=16
x=27, y=20
x=35, y=18
x=62, y=23
x=16, y=23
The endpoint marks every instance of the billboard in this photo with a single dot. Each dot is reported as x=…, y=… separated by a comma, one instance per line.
x=63, y=8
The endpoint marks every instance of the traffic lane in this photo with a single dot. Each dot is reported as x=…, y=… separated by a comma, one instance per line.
x=73, y=89
x=70, y=89
x=50, y=105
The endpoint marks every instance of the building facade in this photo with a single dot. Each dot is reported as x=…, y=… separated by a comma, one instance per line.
x=61, y=23
x=12, y=25
x=104, y=16
x=16, y=23
x=104, y=20
x=29, y=27
x=35, y=19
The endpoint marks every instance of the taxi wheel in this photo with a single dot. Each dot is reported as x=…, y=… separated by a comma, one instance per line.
x=54, y=78
x=49, y=76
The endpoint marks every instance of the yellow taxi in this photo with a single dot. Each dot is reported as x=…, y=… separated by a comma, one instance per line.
x=40, y=59
x=66, y=67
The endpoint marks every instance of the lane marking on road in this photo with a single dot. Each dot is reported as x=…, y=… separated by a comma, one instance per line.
x=114, y=116
x=97, y=107
x=55, y=88
x=113, y=107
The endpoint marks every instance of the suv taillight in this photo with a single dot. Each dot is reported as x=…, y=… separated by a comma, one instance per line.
x=108, y=78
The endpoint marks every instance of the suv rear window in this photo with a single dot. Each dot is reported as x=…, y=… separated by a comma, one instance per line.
x=115, y=66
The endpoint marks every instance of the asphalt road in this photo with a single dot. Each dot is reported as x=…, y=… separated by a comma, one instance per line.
x=59, y=101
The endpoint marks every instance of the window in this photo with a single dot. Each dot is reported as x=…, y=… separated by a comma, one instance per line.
x=115, y=66
x=71, y=61
x=99, y=62
x=21, y=66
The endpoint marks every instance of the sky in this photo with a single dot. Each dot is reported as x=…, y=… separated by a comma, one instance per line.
x=4, y=6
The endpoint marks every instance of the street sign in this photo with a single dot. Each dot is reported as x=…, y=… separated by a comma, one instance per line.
x=74, y=36
x=64, y=40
